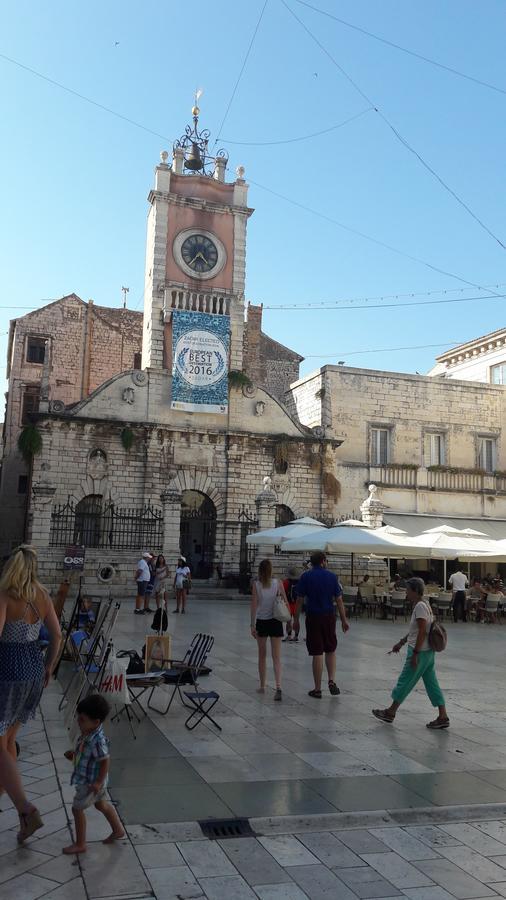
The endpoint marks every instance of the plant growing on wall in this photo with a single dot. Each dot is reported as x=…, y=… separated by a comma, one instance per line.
x=320, y=394
x=238, y=379
x=331, y=486
x=127, y=438
x=29, y=442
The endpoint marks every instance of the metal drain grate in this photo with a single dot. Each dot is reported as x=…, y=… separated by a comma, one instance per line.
x=218, y=829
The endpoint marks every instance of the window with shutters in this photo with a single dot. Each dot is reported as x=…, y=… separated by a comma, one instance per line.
x=380, y=446
x=436, y=449
x=487, y=454
x=29, y=402
x=35, y=350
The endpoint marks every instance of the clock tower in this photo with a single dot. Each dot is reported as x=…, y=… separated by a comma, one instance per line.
x=196, y=246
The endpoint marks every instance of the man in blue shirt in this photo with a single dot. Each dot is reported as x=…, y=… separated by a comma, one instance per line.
x=322, y=594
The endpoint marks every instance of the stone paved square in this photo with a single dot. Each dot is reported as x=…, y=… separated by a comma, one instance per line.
x=348, y=830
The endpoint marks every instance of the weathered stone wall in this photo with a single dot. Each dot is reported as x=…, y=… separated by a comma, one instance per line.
x=87, y=345
x=173, y=452
x=268, y=363
x=410, y=407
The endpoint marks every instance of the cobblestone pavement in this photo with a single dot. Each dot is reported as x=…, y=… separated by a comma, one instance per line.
x=341, y=805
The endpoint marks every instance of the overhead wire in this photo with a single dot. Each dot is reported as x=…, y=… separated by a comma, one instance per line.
x=64, y=87
x=304, y=137
x=241, y=71
x=323, y=216
x=394, y=130
x=397, y=296
x=382, y=40
x=313, y=308
x=367, y=237
x=381, y=350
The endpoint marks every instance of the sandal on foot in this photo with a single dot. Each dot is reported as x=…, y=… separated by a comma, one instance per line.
x=316, y=694
x=439, y=723
x=383, y=715
x=333, y=688
x=30, y=822
x=278, y=695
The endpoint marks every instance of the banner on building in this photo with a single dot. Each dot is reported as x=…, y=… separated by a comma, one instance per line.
x=200, y=349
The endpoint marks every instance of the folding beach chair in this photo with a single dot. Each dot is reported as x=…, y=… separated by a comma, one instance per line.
x=186, y=672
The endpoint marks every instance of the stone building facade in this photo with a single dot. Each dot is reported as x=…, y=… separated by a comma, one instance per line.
x=77, y=346
x=482, y=359
x=433, y=446
x=123, y=469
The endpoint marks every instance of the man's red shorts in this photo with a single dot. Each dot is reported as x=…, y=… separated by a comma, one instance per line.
x=321, y=633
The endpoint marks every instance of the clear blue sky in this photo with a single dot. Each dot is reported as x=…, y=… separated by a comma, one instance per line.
x=75, y=179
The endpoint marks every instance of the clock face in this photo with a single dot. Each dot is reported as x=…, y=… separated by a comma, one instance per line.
x=199, y=253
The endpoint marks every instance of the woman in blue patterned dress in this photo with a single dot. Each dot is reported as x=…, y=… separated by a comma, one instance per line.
x=24, y=606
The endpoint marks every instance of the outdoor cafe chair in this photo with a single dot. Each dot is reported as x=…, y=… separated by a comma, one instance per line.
x=398, y=604
x=442, y=605
x=491, y=607
x=184, y=673
x=351, y=603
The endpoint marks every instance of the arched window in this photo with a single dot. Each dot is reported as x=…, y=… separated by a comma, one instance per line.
x=284, y=515
x=88, y=521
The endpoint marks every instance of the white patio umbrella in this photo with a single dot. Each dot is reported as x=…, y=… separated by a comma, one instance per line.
x=355, y=541
x=450, y=543
x=274, y=537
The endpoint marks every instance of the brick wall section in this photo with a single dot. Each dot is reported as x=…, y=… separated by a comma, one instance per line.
x=268, y=363
x=88, y=345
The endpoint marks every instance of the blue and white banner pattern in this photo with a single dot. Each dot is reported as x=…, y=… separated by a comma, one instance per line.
x=200, y=349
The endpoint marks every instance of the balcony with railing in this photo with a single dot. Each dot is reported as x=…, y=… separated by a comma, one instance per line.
x=394, y=475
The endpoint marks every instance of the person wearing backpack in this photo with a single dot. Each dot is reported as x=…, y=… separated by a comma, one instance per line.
x=423, y=639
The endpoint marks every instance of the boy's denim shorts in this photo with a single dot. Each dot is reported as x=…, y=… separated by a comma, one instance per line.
x=84, y=796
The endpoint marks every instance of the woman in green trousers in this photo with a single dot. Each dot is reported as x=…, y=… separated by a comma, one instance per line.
x=420, y=660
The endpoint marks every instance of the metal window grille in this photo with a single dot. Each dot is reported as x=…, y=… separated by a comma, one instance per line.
x=93, y=524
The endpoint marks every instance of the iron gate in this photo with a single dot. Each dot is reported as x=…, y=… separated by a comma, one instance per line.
x=248, y=524
x=93, y=524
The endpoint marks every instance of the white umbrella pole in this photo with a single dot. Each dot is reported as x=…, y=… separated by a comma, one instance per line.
x=444, y=574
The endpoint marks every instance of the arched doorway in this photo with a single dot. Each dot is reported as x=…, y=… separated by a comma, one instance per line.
x=198, y=532
x=284, y=515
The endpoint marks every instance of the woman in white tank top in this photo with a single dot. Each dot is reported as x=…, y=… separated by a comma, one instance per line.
x=264, y=625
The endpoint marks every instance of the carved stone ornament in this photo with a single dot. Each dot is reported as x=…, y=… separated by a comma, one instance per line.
x=318, y=431
x=259, y=408
x=128, y=395
x=267, y=483
x=57, y=406
x=139, y=378
x=249, y=390
x=97, y=464
x=105, y=572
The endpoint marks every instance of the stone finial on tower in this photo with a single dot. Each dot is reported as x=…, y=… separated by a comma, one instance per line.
x=372, y=509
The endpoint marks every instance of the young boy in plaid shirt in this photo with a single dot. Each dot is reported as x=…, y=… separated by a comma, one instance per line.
x=91, y=767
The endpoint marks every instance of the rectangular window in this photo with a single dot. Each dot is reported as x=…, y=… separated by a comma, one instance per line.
x=380, y=446
x=35, y=350
x=29, y=403
x=498, y=374
x=137, y=360
x=22, y=484
x=486, y=454
x=436, y=449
